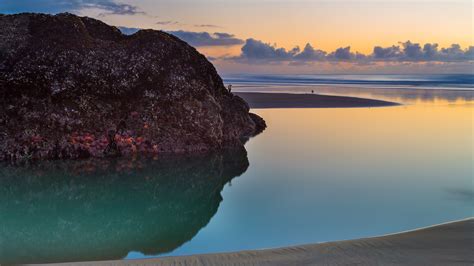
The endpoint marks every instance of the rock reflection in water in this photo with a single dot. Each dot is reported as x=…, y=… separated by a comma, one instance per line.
x=103, y=209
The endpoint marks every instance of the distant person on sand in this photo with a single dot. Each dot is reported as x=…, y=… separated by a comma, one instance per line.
x=312, y=91
x=230, y=87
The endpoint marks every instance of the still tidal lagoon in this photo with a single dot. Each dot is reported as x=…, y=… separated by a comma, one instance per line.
x=314, y=175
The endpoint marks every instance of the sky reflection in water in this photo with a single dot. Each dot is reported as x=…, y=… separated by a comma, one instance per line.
x=320, y=175
x=315, y=175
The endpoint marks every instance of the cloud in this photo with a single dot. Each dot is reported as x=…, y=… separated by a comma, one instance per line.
x=197, y=39
x=258, y=50
x=386, y=53
x=57, y=6
x=255, y=50
x=343, y=53
x=454, y=52
x=412, y=50
x=167, y=23
x=224, y=35
x=206, y=26
x=310, y=54
x=470, y=52
x=430, y=50
x=207, y=39
x=415, y=52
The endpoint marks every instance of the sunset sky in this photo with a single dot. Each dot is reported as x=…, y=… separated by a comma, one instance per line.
x=342, y=34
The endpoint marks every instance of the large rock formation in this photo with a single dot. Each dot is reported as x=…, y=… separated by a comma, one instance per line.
x=73, y=87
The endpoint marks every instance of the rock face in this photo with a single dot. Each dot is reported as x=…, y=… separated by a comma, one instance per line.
x=74, y=87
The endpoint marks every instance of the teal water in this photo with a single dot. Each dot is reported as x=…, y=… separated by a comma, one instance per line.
x=314, y=175
x=103, y=209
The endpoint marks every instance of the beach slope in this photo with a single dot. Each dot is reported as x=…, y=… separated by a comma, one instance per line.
x=447, y=244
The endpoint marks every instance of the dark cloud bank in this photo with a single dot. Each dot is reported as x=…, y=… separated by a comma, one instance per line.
x=255, y=50
x=207, y=39
x=258, y=51
x=198, y=39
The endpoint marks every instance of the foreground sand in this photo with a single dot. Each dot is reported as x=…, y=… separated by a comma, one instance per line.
x=447, y=244
x=287, y=100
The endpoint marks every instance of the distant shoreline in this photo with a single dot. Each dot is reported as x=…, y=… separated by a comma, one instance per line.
x=348, y=86
x=457, y=82
x=258, y=100
x=444, y=244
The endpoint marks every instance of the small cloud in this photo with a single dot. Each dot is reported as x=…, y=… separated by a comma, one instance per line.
x=196, y=38
x=206, y=26
x=311, y=54
x=386, y=53
x=470, y=53
x=207, y=39
x=167, y=23
x=454, y=52
x=412, y=50
x=110, y=7
x=343, y=53
x=430, y=50
x=223, y=35
x=258, y=50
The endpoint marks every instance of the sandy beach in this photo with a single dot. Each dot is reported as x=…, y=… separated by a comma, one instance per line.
x=446, y=244
x=287, y=100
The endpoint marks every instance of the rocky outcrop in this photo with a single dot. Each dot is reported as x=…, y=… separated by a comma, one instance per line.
x=74, y=87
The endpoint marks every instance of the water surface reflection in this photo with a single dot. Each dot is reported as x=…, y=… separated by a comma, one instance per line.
x=404, y=95
x=103, y=209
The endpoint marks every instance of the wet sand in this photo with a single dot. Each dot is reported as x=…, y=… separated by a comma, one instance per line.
x=447, y=244
x=287, y=100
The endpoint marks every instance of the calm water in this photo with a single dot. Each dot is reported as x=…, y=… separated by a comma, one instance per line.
x=448, y=81
x=314, y=175
x=404, y=89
